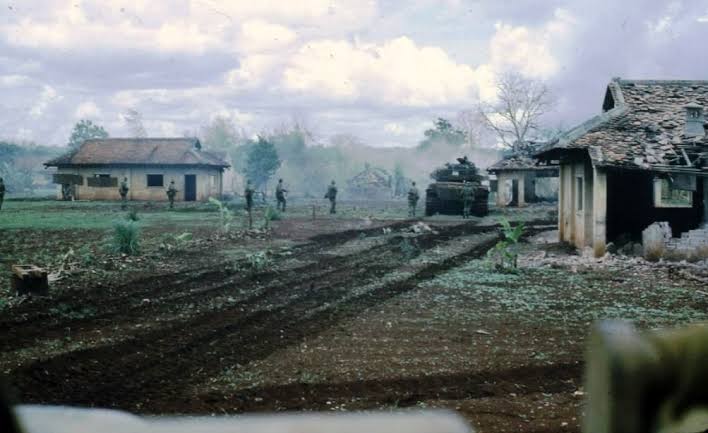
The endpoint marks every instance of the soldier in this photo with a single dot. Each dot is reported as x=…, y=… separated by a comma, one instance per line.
x=171, y=193
x=123, y=191
x=280, y=192
x=2, y=192
x=332, y=196
x=248, y=194
x=413, y=197
x=467, y=199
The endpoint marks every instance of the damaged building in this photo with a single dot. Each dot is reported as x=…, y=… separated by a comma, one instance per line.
x=95, y=169
x=373, y=183
x=644, y=159
x=522, y=179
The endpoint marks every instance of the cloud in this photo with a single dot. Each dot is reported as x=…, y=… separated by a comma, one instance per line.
x=14, y=80
x=395, y=72
x=259, y=35
x=47, y=97
x=394, y=128
x=87, y=110
x=530, y=50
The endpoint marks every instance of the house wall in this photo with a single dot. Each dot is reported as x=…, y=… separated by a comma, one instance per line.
x=526, y=187
x=575, y=206
x=209, y=183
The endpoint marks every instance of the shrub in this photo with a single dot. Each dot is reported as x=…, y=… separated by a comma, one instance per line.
x=126, y=237
x=258, y=262
x=505, y=251
x=132, y=215
x=269, y=215
x=226, y=216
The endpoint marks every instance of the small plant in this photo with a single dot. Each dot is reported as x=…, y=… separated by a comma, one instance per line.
x=258, y=262
x=505, y=251
x=225, y=214
x=171, y=243
x=269, y=215
x=132, y=215
x=126, y=237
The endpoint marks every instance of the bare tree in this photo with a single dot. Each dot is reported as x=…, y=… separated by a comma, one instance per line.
x=134, y=120
x=521, y=102
x=474, y=126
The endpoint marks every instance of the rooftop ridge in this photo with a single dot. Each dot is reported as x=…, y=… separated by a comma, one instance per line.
x=655, y=82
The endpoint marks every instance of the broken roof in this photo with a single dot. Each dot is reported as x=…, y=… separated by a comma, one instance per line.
x=139, y=151
x=642, y=127
x=518, y=161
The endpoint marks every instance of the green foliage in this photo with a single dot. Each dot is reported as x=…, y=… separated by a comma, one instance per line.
x=258, y=262
x=409, y=248
x=126, y=237
x=262, y=162
x=225, y=214
x=171, y=243
x=270, y=214
x=132, y=215
x=84, y=130
x=505, y=251
x=443, y=132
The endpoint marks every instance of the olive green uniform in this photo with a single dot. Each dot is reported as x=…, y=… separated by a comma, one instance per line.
x=280, y=196
x=171, y=193
x=332, y=196
x=413, y=197
x=2, y=192
x=467, y=199
x=123, y=191
x=248, y=194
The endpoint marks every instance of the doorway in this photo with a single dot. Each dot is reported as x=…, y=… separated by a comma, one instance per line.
x=190, y=187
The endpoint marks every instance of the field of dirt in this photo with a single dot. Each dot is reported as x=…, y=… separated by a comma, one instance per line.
x=342, y=313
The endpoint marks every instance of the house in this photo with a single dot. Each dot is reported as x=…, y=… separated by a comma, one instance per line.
x=522, y=179
x=644, y=159
x=97, y=167
x=372, y=184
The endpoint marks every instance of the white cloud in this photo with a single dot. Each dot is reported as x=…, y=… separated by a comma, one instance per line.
x=259, y=35
x=48, y=96
x=14, y=80
x=530, y=50
x=396, y=72
x=394, y=128
x=87, y=110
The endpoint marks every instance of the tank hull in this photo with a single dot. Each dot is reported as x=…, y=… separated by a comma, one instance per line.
x=445, y=198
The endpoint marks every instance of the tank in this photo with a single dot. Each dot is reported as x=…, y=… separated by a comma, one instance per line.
x=444, y=196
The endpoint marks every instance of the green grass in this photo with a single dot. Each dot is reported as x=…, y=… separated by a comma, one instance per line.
x=59, y=215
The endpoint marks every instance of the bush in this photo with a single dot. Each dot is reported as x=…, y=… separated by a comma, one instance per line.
x=225, y=214
x=505, y=252
x=132, y=215
x=126, y=237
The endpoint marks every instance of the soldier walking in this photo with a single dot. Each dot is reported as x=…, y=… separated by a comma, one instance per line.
x=123, y=191
x=171, y=193
x=413, y=197
x=332, y=196
x=280, y=192
x=467, y=198
x=248, y=194
x=2, y=192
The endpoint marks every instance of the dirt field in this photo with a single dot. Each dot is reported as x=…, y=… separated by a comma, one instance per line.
x=346, y=313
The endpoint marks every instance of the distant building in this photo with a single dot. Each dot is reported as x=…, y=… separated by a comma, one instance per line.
x=373, y=184
x=97, y=167
x=643, y=160
x=522, y=179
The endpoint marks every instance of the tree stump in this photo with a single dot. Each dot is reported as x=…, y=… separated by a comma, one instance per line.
x=29, y=280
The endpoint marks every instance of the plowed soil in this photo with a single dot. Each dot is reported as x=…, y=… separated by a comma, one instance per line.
x=341, y=320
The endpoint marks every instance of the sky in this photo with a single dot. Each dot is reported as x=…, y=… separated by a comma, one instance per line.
x=381, y=70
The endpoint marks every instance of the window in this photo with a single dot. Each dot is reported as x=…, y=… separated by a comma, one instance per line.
x=104, y=176
x=155, y=180
x=665, y=196
x=579, y=193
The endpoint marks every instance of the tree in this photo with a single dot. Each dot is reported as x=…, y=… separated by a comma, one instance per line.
x=262, y=162
x=134, y=120
x=399, y=180
x=85, y=130
x=443, y=132
x=521, y=103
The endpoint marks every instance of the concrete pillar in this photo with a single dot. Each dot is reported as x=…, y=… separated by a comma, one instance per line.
x=599, y=212
x=705, y=202
x=501, y=190
x=521, y=189
x=561, y=202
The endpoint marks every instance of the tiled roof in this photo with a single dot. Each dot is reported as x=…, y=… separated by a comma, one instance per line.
x=517, y=162
x=642, y=127
x=139, y=151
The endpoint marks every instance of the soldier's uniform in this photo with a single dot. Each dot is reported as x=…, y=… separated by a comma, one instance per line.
x=280, y=195
x=2, y=192
x=467, y=199
x=171, y=193
x=332, y=196
x=413, y=197
x=123, y=190
x=248, y=194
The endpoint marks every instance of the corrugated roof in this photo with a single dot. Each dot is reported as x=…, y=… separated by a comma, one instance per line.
x=139, y=151
x=642, y=127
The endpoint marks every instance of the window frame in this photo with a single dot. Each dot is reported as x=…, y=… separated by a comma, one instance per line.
x=660, y=201
x=579, y=194
x=148, y=178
